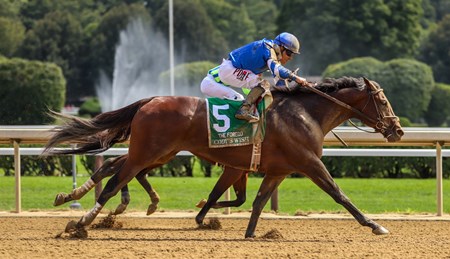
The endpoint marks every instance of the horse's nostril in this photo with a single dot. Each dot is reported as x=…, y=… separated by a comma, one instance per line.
x=400, y=132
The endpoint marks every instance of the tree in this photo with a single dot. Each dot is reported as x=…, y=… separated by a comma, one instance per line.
x=57, y=38
x=332, y=31
x=407, y=83
x=12, y=34
x=358, y=67
x=436, y=51
x=188, y=76
x=439, y=108
x=264, y=14
x=32, y=11
x=29, y=89
x=192, y=43
x=9, y=9
x=442, y=8
x=106, y=35
x=232, y=22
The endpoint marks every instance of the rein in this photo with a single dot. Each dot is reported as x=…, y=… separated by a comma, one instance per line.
x=331, y=98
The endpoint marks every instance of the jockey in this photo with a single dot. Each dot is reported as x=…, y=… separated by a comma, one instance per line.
x=244, y=68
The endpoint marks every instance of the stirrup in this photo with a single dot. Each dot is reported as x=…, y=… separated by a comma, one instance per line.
x=246, y=116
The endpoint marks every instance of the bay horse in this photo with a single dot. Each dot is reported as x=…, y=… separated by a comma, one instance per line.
x=297, y=121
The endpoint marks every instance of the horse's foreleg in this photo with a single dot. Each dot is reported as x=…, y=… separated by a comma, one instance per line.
x=154, y=197
x=268, y=185
x=240, y=189
x=109, y=167
x=228, y=178
x=76, y=193
x=322, y=178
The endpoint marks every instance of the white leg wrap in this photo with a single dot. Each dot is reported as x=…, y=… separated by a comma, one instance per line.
x=90, y=216
x=79, y=192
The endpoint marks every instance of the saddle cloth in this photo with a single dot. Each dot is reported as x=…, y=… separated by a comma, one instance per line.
x=224, y=130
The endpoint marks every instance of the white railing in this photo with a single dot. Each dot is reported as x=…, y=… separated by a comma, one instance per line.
x=428, y=137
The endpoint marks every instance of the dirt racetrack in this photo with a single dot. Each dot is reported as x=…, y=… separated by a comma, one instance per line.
x=147, y=237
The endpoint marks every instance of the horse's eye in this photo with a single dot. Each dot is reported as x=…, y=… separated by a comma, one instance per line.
x=384, y=102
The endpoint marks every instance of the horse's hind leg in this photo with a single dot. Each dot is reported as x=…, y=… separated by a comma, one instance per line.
x=109, y=167
x=125, y=199
x=113, y=186
x=154, y=197
x=322, y=178
x=228, y=178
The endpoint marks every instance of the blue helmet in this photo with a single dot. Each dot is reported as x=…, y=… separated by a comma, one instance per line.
x=288, y=41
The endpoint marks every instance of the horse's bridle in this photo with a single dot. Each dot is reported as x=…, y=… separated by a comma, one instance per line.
x=379, y=122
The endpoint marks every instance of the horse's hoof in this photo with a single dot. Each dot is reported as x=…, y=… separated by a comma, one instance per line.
x=380, y=231
x=71, y=226
x=120, y=209
x=199, y=221
x=151, y=209
x=250, y=235
x=59, y=199
x=201, y=203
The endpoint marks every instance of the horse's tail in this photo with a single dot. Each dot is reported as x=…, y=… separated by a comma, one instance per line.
x=95, y=135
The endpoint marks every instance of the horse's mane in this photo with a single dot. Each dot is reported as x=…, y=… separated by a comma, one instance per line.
x=330, y=85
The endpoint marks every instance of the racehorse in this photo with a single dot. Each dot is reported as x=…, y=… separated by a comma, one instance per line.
x=296, y=123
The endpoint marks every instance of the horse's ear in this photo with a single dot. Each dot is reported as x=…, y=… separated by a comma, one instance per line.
x=368, y=83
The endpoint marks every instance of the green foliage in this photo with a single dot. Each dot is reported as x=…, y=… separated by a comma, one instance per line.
x=332, y=31
x=106, y=36
x=367, y=67
x=189, y=74
x=229, y=21
x=383, y=167
x=441, y=7
x=57, y=38
x=407, y=83
x=264, y=14
x=405, y=122
x=28, y=89
x=90, y=108
x=12, y=33
x=436, y=51
x=9, y=8
x=439, y=108
x=194, y=33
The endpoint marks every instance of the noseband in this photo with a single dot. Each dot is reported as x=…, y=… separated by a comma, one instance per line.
x=379, y=122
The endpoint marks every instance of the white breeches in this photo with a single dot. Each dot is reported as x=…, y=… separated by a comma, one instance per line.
x=211, y=88
x=237, y=77
x=231, y=76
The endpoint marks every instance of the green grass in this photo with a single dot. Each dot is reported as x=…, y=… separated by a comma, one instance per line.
x=295, y=195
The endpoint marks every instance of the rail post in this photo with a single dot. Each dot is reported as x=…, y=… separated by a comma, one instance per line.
x=17, y=175
x=439, y=191
x=75, y=204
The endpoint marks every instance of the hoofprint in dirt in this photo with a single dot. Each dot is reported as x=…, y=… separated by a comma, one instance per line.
x=24, y=237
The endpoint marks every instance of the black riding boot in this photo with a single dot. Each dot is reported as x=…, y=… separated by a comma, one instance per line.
x=244, y=112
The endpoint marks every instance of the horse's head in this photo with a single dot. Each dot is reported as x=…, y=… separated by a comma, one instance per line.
x=379, y=113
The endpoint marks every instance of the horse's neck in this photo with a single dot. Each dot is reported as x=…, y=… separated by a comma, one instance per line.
x=334, y=114
x=325, y=113
x=330, y=115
